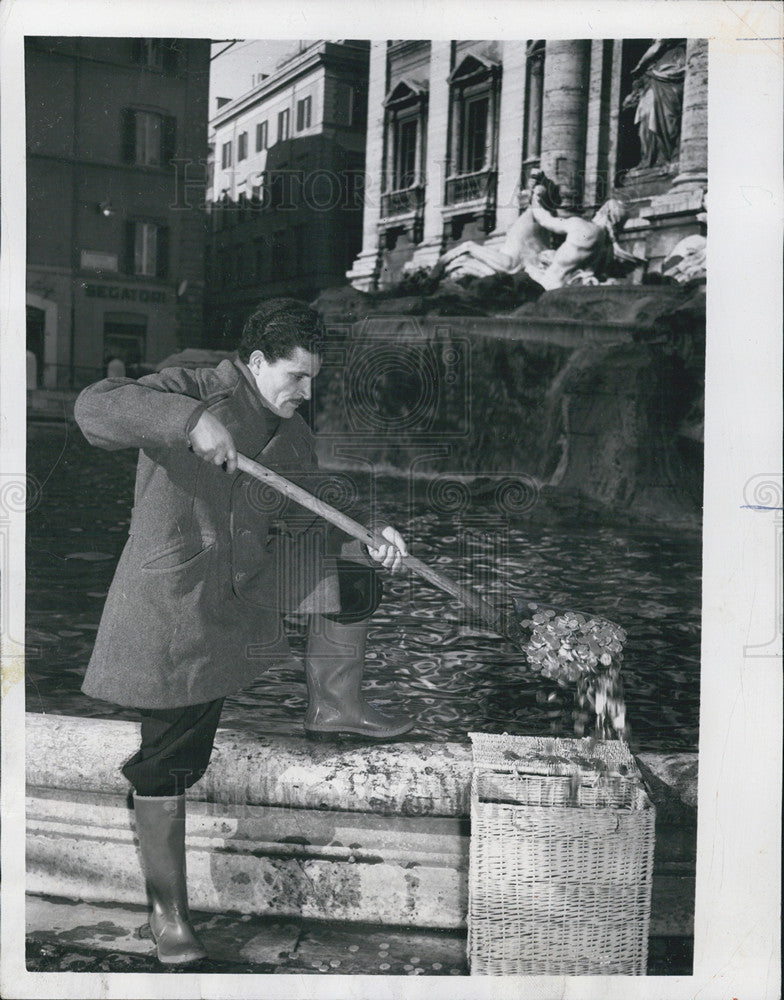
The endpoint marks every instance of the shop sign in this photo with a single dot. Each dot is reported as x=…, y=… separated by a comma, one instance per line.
x=123, y=294
x=95, y=260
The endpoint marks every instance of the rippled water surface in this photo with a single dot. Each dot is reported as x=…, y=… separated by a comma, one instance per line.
x=422, y=656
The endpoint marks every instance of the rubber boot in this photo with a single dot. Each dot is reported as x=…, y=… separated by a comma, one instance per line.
x=160, y=827
x=334, y=665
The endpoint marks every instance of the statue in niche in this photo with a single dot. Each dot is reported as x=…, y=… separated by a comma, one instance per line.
x=524, y=242
x=590, y=251
x=657, y=93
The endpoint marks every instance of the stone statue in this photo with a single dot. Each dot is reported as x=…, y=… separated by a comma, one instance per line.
x=589, y=248
x=687, y=259
x=657, y=93
x=523, y=244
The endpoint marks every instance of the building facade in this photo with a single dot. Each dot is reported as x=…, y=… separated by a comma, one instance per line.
x=455, y=129
x=285, y=199
x=115, y=246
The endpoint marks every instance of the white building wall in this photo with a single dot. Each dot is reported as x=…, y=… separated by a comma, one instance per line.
x=240, y=177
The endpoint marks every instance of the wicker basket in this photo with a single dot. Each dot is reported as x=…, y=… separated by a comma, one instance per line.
x=561, y=862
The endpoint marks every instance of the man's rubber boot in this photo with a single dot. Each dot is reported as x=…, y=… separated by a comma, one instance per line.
x=160, y=827
x=334, y=665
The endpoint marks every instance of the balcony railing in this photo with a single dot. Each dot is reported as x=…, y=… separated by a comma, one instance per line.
x=471, y=187
x=410, y=199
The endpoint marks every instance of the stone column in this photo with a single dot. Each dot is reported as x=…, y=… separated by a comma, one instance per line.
x=533, y=124
x=427, y=253
x=510, y=134
x=597, y=182
x=693, y=159
x=564, y=111
x=362, y=273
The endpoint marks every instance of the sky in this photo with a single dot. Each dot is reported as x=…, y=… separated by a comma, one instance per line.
x=231, y=74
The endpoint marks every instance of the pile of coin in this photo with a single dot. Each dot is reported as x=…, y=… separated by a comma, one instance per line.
x=585, y=651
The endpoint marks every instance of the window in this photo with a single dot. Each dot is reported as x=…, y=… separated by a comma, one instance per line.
x=125, y=337
x=474, y=146
x=149, y=138
x=149, y=52
x=242, y=147
x=225, y=155
x=303, y=113
x=475, y=91
x=350, y=107
x=405, y=129
x=157, y=53
x=261, y=137
x=283, y=125
x=147, y=249
x=406, y=135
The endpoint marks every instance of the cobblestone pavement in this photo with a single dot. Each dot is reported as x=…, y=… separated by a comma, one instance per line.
x=64, y=936
x=89, y=937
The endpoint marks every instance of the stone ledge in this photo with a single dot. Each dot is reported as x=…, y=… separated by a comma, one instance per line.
x=285, y=827
x=413, y=778
x=407, y=778
x=258, y=860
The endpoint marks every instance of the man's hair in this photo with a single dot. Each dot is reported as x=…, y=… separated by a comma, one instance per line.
x=277, y=327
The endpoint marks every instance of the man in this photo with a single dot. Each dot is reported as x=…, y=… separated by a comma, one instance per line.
x=589, y=247
x=194, y=610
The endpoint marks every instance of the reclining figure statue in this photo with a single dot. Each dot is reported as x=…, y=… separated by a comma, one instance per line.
x=587, y=252
x=524, y=241
x=589, y=248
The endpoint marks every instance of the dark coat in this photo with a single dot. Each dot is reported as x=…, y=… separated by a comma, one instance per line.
x=193, y=612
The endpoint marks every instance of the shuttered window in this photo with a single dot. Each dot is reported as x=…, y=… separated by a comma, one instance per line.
x=261, y=136
x=149, y=139
x=304, y=110
x=146, y=249
x=475, y=145
x=283, y=125
x=157, y=53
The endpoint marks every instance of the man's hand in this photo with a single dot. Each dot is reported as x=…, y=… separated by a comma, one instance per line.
x=210, y=440
x=390, y=556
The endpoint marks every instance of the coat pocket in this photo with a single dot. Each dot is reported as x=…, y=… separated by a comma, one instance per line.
x=176, y=556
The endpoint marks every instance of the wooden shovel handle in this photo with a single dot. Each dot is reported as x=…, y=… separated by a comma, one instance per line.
x=490, y=615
